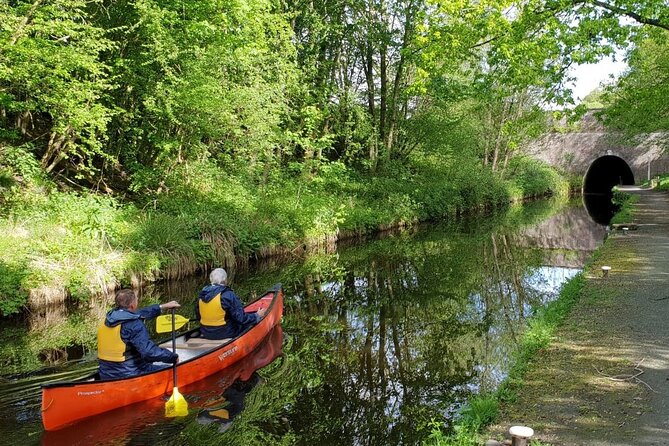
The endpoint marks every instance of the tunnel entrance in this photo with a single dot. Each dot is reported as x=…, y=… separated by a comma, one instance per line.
x=604, y=173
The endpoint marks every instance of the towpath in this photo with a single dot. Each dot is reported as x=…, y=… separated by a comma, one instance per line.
x=605, y=378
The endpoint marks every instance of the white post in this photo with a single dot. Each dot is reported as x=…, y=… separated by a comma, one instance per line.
x=520, y=435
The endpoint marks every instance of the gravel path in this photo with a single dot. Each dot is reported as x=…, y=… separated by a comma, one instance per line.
x=605, y=379
x=646, y=311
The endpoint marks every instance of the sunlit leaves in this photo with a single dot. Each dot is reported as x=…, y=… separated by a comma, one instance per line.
x=639, y=100
x=52, y=80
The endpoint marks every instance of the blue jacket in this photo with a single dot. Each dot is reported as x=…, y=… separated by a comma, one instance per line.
x=236, y=320
x=141, y=350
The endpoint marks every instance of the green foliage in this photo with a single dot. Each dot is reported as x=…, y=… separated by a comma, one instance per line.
x=463, y=436
x=662, y=182
x=198, y=79
x=535, y=178
x=52, y=80
x=625, y=201
x=6, y=180
x=83, y=241
x=595, y=99
x=479, y=412
x=148, y=138
x=638, y=99
x=12, y=294
x=21, y=163
x=119, y=95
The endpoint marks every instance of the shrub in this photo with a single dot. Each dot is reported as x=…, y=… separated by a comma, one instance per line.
x=12, y=294
x=535, y=178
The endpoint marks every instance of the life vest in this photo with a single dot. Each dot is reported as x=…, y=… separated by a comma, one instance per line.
x=110, y=345
x=211, y=313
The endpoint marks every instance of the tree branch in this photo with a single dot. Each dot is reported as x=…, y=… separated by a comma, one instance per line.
x=24, y=23
x=639, y=18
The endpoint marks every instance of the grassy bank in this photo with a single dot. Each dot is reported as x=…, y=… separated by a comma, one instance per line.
x=626, y=202
x=58, y=243
x=662, y=182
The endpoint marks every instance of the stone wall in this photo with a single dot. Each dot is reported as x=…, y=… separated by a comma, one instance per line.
x=574, y=151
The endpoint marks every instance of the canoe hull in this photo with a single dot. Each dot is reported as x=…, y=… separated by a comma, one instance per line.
x=68, y=402
x=137, y=423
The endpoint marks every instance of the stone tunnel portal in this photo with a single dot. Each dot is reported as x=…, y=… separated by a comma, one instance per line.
x=604, y=173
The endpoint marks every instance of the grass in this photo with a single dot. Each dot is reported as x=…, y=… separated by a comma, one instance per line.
x=626, y=202
x=662, y=182
x=57, y=244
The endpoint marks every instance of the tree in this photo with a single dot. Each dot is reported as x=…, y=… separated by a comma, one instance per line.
x=197, y=79
x=639, y=98
x=360, y=53
x=52, y=82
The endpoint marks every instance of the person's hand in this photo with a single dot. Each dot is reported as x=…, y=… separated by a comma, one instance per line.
x=261, y=312
x=170, y=305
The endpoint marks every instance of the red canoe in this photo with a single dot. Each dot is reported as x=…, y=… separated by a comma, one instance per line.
x=67, y=402
x=124, y=426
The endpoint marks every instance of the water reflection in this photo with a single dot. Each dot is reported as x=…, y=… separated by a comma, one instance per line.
x=399, y=331
x=396, y=331
x=600, y=207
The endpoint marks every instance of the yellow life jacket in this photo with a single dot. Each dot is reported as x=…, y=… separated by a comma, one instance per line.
x=110, y=345
x=211, y=313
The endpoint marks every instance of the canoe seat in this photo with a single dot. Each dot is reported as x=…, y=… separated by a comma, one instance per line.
x=196, y=344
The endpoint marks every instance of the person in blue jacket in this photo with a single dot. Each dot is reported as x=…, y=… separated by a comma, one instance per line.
x=124, y=346
x=219, y=310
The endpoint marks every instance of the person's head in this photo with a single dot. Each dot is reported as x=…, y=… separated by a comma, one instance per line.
x=218, y=277
x=126, y=298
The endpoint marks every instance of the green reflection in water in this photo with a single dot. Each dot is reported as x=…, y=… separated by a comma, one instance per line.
x=398, y=331
x=390, y=333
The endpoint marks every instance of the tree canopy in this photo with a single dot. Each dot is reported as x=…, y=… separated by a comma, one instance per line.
x=110, y=94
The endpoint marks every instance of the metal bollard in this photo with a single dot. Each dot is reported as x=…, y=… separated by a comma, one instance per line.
x=605, y=271
x=520, y=435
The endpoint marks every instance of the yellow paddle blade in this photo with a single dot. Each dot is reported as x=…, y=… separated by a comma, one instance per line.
x=220, y=413
x=176, y=406
x=164, y=322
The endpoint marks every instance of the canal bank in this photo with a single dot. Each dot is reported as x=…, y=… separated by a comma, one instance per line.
x=604, y=380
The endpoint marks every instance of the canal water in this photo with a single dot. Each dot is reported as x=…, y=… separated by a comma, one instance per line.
x=378, y=339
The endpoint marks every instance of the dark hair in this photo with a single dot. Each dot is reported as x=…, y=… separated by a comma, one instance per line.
x=125, y=297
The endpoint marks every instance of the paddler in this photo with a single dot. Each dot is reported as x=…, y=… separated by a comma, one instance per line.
x=125, y=348
x=220, y=311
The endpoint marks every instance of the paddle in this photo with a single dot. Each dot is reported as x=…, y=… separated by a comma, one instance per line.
x=169, y=322
x=176, y=406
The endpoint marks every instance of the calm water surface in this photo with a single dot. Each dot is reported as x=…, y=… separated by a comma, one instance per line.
x=378, y=338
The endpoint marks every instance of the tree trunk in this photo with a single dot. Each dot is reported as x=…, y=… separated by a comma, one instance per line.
x=399, y=74
x=24, y=23
x=53, y=154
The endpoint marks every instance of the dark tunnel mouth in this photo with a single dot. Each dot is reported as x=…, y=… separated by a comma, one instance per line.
x=604, y=173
